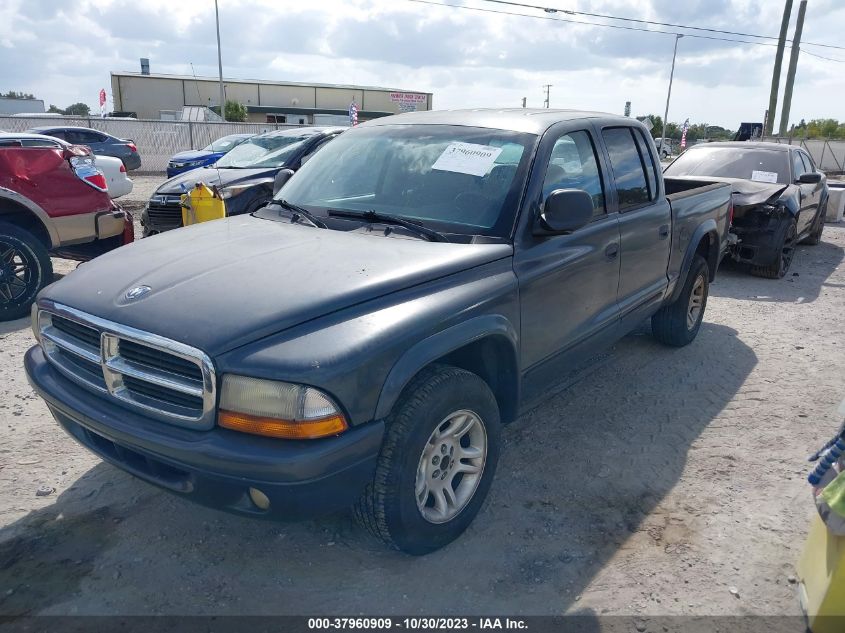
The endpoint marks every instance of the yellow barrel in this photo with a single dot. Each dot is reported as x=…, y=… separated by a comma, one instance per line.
x=201, y=204
x=822, y=574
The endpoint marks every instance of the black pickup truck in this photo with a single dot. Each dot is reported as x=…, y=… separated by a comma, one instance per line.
x=362, y=340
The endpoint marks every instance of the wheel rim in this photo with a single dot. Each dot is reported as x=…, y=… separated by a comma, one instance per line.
x=451, y=466
x=696, y=302
x=15, y=273
x=788, y=250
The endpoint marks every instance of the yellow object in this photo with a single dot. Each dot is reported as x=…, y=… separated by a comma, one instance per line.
x=285, y=429
x=201, y=204
x=822, y=573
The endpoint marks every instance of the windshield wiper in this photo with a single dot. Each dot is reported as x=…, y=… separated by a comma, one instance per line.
x=299, y=213
x=372, y=216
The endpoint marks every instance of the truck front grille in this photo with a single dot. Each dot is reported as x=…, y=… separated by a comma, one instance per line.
x=166, y=379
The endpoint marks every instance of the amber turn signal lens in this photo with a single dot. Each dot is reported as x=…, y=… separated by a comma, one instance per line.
x=283, y=429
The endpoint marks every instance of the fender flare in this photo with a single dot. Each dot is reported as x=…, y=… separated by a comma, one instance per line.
x=37, y=211
x=436, y=346
x=707, y=227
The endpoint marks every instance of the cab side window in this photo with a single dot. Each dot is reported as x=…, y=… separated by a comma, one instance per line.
x=809, y=167
x=573, y=165
x=648, y=160
x=628, y=168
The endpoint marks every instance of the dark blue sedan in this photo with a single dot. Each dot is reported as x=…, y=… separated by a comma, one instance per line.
x=192, y=159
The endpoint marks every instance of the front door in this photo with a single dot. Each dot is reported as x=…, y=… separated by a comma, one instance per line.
x=567, y=283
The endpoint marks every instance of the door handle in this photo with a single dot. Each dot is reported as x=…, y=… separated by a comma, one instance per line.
x=664, y=231
x=611, y=251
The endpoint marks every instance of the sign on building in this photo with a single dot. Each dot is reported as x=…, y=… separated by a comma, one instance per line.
x=408, y=101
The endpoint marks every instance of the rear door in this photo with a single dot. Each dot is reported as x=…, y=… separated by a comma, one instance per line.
x=645, y=221
x=567, y=283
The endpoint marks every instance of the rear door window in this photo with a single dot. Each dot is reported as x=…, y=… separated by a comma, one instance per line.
x=648, y=161
x=628, y=168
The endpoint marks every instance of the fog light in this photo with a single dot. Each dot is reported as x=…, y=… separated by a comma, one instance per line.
x=259, y=499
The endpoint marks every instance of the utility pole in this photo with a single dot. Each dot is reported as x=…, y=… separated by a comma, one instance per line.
x=793, y=65
x=220, y=63
x=678, y=36
x=523, y=101
x=546, y=102
x=773, y=95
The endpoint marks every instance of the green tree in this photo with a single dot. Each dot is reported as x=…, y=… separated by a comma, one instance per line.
x=235, y=111
x=822, y=128
x=78, y=109
x=55, y=110
x=18, y=95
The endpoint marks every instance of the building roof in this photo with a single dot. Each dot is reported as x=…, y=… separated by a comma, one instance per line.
x=261, y=81
x=532, y=120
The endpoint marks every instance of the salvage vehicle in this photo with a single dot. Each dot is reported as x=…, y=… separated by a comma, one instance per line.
x=118, y=181
x=53, y=200
x=779, y=199
x=99, y=142
x=244, y=177
x=208, y=155
x=362, y=340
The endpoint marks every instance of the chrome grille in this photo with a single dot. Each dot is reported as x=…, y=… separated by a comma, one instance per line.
x=165, y=211
x=166, y=379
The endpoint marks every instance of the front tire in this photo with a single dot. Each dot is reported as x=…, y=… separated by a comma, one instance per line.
x=677, y=324
x=25, y=268
x=436, y=464
x=786, y=241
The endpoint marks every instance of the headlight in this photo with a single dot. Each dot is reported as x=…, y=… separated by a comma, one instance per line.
x=277, y=409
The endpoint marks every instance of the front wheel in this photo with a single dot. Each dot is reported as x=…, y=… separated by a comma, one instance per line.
x=436, y=464
x=25, y=268
x=785, y=242
x=677, y=324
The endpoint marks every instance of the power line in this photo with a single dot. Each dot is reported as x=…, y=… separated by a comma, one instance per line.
x=654, y=22
x=609, y=26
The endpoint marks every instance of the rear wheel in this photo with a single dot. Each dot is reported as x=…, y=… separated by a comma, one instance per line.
x=25, y=268
x=786, y=240
x=437, y=462
x=677, y=324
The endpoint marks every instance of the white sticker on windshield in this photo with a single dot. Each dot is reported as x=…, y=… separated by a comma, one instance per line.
x=467, y=158
x=764, y=176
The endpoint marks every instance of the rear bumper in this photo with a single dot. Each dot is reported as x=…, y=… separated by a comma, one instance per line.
x=217, y=467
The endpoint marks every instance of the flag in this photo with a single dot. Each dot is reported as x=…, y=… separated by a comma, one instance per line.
x=102, y=102
x=684, y=134
x=353, y=113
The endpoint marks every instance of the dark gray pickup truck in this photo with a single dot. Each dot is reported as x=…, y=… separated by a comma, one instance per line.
x=362, y=340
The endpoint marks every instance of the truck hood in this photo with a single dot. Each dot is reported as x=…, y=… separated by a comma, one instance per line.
x=224, y=177
x=223, y=284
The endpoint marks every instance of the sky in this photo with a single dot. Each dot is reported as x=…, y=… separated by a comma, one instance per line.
x=63, y=52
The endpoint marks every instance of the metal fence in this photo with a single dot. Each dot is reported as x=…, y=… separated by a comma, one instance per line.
x=829, y=155
x=156, y=140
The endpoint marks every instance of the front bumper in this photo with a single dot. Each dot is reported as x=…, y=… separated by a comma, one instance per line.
x=215, y=468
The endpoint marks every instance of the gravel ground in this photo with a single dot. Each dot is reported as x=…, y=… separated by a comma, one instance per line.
x=652, y=482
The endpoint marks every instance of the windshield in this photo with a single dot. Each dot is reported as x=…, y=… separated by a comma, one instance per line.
x=224, y=144
x=451, y=178
x=760, y=165
x=264, y=151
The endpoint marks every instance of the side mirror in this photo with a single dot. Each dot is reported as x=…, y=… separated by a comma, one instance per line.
x=281, y=178
x=810, y=178
x=564, y=211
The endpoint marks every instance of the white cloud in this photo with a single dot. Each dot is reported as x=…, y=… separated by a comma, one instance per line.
x=63, y=53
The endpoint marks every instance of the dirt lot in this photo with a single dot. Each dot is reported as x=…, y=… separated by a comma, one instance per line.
x=652, y=482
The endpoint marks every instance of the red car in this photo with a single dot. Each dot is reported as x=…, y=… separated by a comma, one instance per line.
x=53, y=201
